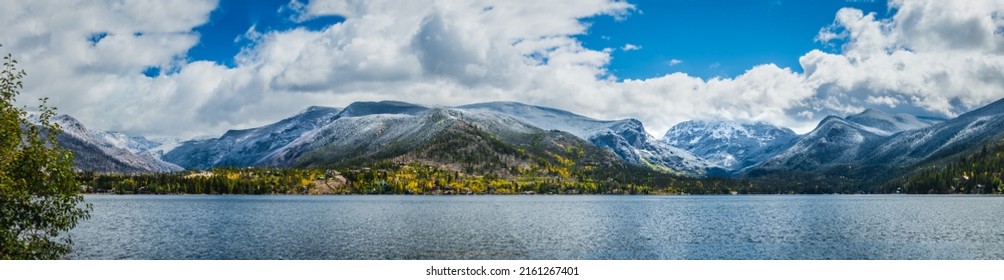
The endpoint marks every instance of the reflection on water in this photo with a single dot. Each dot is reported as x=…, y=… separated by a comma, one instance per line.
x=542, y=227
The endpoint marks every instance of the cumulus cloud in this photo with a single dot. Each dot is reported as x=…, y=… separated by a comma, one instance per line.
x=88, y=56
x=932, y=57
x=674, y=62
x=763, y=93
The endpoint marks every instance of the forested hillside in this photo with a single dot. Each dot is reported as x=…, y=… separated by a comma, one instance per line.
x=980, y=171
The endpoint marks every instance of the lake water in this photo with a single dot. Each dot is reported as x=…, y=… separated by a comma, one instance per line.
x=542, y=227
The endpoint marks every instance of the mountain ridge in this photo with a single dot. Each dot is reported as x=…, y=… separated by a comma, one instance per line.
x=861, y=148
x=92, y=152
x=626, y=137
x=847, y=149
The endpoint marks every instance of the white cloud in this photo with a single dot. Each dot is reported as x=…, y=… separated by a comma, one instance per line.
x=100, y=81
x=761, y=94
x=630, y=47
x=941, y=57
x=932, y=57
x=674, y=62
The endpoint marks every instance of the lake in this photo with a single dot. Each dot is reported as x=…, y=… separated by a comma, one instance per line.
x=542, y=227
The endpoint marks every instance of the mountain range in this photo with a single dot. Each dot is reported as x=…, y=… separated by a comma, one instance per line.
x=490, y=136
x=109, y=152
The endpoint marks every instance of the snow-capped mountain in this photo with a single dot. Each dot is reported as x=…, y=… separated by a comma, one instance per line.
x=269, y=145
x=320, y=134
x=94, y=152
x=627, y=138
x=367, y=132
x=730, y=145
x=386, y=134
x=943, y=139
x=388, y=130
x=871, y=138
x=247, y=147
x=365, y=129
x=834, y=142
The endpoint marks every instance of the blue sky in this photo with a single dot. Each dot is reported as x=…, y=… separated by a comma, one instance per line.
x=716, y=37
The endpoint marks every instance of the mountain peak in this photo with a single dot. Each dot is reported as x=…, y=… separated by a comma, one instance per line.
x=731, y=145
x=69, y=125
x=724, y=129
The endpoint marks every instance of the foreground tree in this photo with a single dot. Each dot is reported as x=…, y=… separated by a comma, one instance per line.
x=39, y=200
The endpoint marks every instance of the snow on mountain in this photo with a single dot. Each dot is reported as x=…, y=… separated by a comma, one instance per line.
x=730, y=145
x=364, y=129
x=385, y=133
x=547, y=118
x=118, y=139
x=886, y=124
x=835, y=141
x=139, y=144
x=346, y=135
x=875, y=138
x=626, y=138
x=162, y=146
x=372, y=127
x=248, y=146
x=486, y=143
x=943, y=139
x=105, y=152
